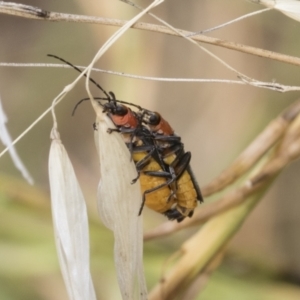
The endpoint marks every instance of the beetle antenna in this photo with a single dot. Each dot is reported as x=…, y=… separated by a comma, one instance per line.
x=77, y=104
x=77, y=69
x=85, y=99
x=124, y=102
x=110, y=95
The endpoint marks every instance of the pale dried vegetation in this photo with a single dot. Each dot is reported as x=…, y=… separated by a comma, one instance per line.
x=238, y=188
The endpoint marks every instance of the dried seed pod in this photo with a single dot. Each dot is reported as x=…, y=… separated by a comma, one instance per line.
x=70, y=223
x=118, y=203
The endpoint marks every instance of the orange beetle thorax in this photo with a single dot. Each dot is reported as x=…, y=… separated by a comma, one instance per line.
x=163, y=127
x=128, y=120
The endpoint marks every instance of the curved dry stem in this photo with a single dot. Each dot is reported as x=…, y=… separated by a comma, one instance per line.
x=255, y=151
x=31, y=12
x=196, y=254
x=284, y=125
x=200, y=249
x=233, y=21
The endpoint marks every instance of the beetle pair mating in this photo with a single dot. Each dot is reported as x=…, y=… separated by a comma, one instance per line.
x=167, y=181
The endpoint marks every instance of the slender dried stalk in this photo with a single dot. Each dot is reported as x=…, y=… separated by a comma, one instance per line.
x=31, y=12
x=259, y=147
x=197, y=252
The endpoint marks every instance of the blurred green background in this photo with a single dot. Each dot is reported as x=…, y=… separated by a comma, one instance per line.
x=216, y=122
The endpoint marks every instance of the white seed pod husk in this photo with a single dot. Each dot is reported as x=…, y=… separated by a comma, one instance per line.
x=290, y=8
x=70, y=223
x=119, y=202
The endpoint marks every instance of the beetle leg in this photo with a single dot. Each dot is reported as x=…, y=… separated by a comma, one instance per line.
x=140, y=165
x=143, y=148
x=174, y=214
x=143, y=204
x=158, y=174
x=162, y=174
x=181, y=163
x=195, y=184
x=173, y=193
x=110, y=130
x=167, y=138
x=176, y=149
x=150, y=191
x=143, y=162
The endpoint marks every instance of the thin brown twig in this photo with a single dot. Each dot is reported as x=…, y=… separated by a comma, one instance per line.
x=207, y=212
x=36, y=13
x=201, y=281
x=202, y=247
x=263, y=142
x=242, y=164
x=251, y=81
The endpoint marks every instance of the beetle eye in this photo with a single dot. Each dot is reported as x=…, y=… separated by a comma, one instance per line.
x=113, y=108
x=154, y=119
x=120, y=110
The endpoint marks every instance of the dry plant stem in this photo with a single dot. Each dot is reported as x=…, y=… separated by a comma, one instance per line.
x=122, y=74
x=240, y=75
x=36, y=13
x=243, y=77
x=201, y=281
x=255, y=151
x=243, y=163
x=232, y=21
x=204, y=214
x=201, y=248
x=114, y=38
